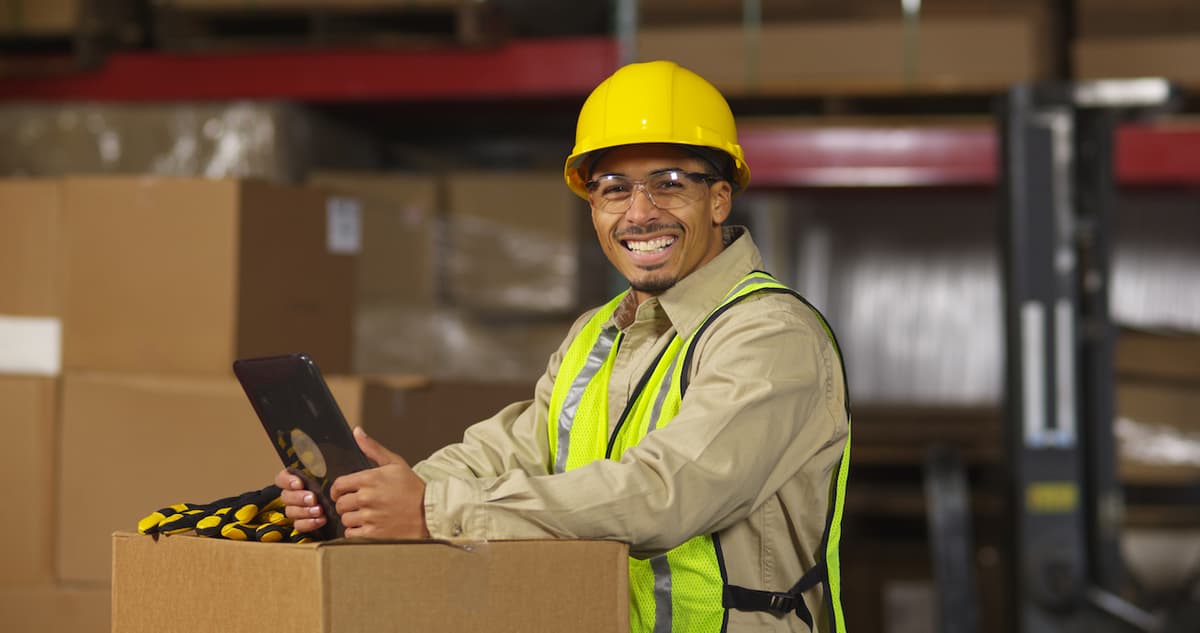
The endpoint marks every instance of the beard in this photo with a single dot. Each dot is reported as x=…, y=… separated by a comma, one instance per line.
x=653, y=284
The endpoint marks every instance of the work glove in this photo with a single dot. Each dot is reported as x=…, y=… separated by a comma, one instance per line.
x=256, y=515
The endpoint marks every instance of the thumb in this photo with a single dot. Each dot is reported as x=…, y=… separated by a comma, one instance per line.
x=375, y=451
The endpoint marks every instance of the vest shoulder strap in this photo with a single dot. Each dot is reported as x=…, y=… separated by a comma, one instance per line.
x=783, y=602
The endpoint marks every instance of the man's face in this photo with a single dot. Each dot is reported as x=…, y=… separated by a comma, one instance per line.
x=653, y=248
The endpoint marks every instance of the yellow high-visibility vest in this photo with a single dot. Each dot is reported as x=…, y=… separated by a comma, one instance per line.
x=684, y=590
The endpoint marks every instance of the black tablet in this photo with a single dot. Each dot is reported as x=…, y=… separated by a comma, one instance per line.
x=305, y=425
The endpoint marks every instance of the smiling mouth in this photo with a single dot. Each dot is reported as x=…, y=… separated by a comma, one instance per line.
x=655, y=245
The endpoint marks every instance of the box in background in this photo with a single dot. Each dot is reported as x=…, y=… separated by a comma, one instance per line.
x=1142, y=19
x=51, y=609
x=185, y=276
x=30, y=227
x=131, y=444
x=278, y=142
x=398, y=264
x=676, y=12
x=858, y=56
x=1158, y=356
x=520, y=243
x=415, y=419
x=1167, y=56
x=112, y=20
x=456, y=344
x=28, y=411
x=1158, y=433
x=498, y=586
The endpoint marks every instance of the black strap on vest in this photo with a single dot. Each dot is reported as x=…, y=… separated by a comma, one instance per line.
x=778, y=603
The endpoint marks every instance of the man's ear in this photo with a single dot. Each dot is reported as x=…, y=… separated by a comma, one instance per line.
x=721, y=202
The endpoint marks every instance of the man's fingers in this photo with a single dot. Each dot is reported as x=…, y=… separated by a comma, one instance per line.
x=375, y=451
x=297, y=498
x=288, y=481
x=308, y=525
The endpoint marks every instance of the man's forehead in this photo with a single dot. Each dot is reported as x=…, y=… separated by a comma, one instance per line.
x=645, y=159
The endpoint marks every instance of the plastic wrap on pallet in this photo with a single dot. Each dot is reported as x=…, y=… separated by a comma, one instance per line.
x=449, y=343
x=519, y=243
x=1156, y=263
x=272, y=141
x=923, y=327
x=913, y=285
x=1158, y=445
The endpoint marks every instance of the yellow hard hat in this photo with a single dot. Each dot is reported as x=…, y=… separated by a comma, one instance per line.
x=654, y=102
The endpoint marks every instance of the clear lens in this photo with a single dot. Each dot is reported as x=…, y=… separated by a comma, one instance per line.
x=666, y=189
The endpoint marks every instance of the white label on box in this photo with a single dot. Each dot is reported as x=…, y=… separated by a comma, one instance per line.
x=30, y=345
x=344, y=226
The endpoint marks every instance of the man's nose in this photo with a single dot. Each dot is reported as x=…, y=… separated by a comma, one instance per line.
x=641, y=207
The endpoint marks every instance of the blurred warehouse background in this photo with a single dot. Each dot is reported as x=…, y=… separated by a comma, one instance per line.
x=166, y=163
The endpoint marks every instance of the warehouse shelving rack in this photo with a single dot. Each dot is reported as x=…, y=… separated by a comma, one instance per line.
x=784, y=155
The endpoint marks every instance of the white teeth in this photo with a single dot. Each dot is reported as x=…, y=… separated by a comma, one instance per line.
x=650, y=245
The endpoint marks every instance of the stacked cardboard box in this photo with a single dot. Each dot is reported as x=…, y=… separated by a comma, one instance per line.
x=828, y=47
x=469, y=275
x=124, y=302
x=1152, y=38
x=31, y=598
x=1158, y=407
x=279, y=142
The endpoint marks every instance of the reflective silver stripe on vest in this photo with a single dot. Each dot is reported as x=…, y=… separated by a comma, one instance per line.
x=663, y=390
x=757, y=279
x=662, y=593
x=566, y=418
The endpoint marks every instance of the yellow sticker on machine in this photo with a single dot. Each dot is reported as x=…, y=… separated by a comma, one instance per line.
x=1052, y=497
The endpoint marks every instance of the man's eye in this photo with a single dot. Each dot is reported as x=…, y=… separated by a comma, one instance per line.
x=615, y=188
x=667, y=184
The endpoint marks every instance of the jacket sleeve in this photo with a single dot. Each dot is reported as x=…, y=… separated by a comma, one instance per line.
x=764, y=405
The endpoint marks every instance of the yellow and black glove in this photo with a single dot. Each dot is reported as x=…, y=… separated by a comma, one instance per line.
x=256, y=515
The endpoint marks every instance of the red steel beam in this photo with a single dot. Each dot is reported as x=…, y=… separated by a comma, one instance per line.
x=1146, y=155
x=518, y=69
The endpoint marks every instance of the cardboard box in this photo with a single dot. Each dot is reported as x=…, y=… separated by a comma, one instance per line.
x=185, y=276
x=398, y=264
x=1155, y=356
x=331, y=5
x=132, y=444
x=1145, y=18
x=274, y=141
x=676, y=12
x=51, y=609
x=858, y=56
x=28, y=408
x=415, y=419
x=40, y=17
x=519, y=243
x=204, y=585
x=29, y=237
x=1158, y=433
x=30, y=329
x=1153, y=56
x=455, y=344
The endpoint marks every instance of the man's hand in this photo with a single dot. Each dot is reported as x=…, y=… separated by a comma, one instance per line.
x=300, y=505
x=383, y=502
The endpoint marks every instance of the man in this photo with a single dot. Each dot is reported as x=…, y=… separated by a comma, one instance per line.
x=701, y=416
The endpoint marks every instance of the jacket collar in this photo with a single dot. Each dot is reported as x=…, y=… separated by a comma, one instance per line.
x=692, y=298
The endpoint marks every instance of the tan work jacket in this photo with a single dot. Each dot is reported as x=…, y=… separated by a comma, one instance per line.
x=750, y=455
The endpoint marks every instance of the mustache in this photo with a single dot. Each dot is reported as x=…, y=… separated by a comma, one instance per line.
x=634, y=231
